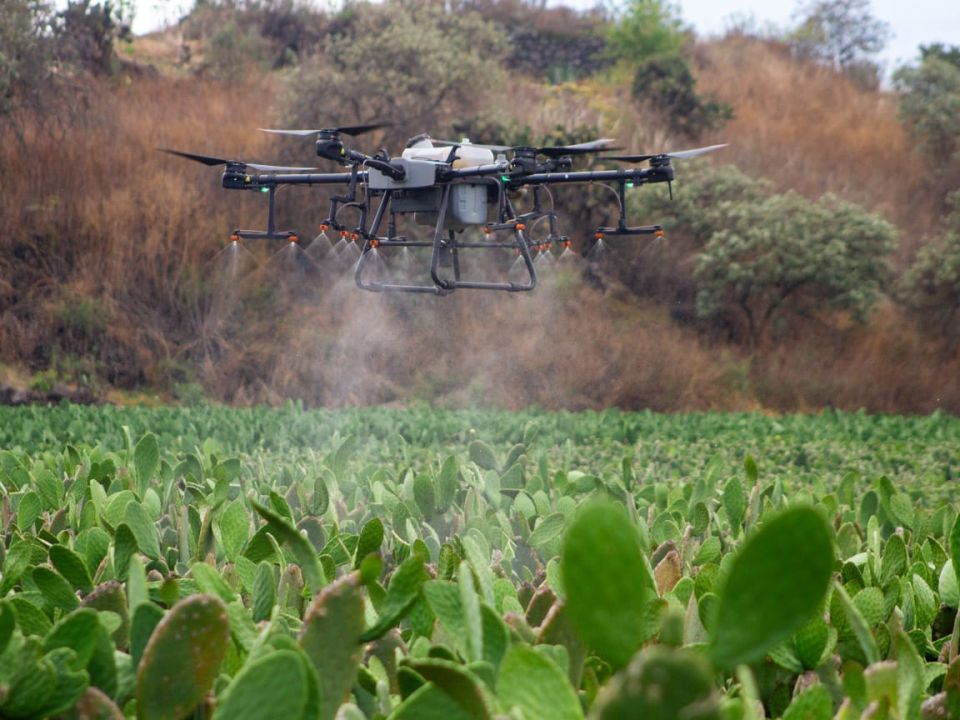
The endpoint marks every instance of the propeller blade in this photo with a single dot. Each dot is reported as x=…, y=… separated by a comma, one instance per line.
x=629, y=158
x=579, y=149
x=277, y=168
x=681, y=155
x=548, y=151
x=361, y=129
x=294, y=133
x=352, y=130
x=205, y=159
x=685, y=154
x=211, y=161
x=460, y=143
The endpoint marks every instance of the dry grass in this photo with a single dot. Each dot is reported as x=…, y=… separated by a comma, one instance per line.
x=812, y=130
x=884, y=367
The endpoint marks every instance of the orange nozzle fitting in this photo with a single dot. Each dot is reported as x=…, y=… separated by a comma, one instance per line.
x=486, y=230
x=521, y=226
x=658, y=233
x=293, y=238
x=567, y=243
x=324, y=227
x=599, y=236
x=234, y=238
x=355, y=236
x=374, y=244
x=344, y=234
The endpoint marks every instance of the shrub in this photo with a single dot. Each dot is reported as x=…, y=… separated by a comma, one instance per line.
x=931, y=286
x=666, y=83
x=283, y=31
x=644, y=28
x=87, y=31
x=232, y=52
x=26, y=52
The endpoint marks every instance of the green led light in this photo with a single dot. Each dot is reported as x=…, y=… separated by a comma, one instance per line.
x=264, y=189
x=504, y=178
x=629, y=184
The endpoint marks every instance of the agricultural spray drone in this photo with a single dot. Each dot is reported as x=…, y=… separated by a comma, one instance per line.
x=449, y=187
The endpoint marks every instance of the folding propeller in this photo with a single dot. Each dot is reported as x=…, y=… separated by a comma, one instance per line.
x=211, y=161
x=352, y=130
x=682, y=155
x=551, y=151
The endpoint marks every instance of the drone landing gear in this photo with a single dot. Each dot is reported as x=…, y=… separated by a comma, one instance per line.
x=271, y=233
x=622, y=228
x=446, y=254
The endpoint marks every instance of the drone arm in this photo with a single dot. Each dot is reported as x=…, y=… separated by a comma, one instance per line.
x=309, y=179
x=636, y=176
x=493, y=169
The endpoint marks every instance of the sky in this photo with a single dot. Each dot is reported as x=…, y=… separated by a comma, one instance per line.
x=913, y=23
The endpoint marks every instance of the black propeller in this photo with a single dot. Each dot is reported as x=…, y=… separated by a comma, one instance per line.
x=681, y=155
x=352, y=130
x=211, y=161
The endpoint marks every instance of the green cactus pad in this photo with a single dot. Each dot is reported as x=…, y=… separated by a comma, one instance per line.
x=71, y=567
x=273, y=687
x=660, y=684
x=607, y=582
x=762, y=601
x=331, y=638
x=95, y=705
x=182, y=658
x=110, y=597
x=536, y=685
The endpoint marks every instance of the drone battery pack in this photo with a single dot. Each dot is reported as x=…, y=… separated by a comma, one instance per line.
x=417, y=174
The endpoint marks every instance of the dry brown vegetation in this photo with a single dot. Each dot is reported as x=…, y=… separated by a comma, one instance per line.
x=110, y=271
x=812, y=129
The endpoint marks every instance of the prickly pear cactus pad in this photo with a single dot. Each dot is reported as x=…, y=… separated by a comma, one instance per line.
x=175, y=564
x=182, y=658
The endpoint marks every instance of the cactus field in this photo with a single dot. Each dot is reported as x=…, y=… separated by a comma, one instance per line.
x=423, y=564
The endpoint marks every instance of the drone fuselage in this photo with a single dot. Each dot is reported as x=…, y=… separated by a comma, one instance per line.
x=448, y=186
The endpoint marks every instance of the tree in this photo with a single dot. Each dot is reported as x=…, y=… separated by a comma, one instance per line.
x=843, y=34
x=947, y=53
x=26, y=52
x=703, y=196
x=411, y=63
x=930, y=109
x=644, y=28
x=931, y=286
x=86, y=31
x=787, y=257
